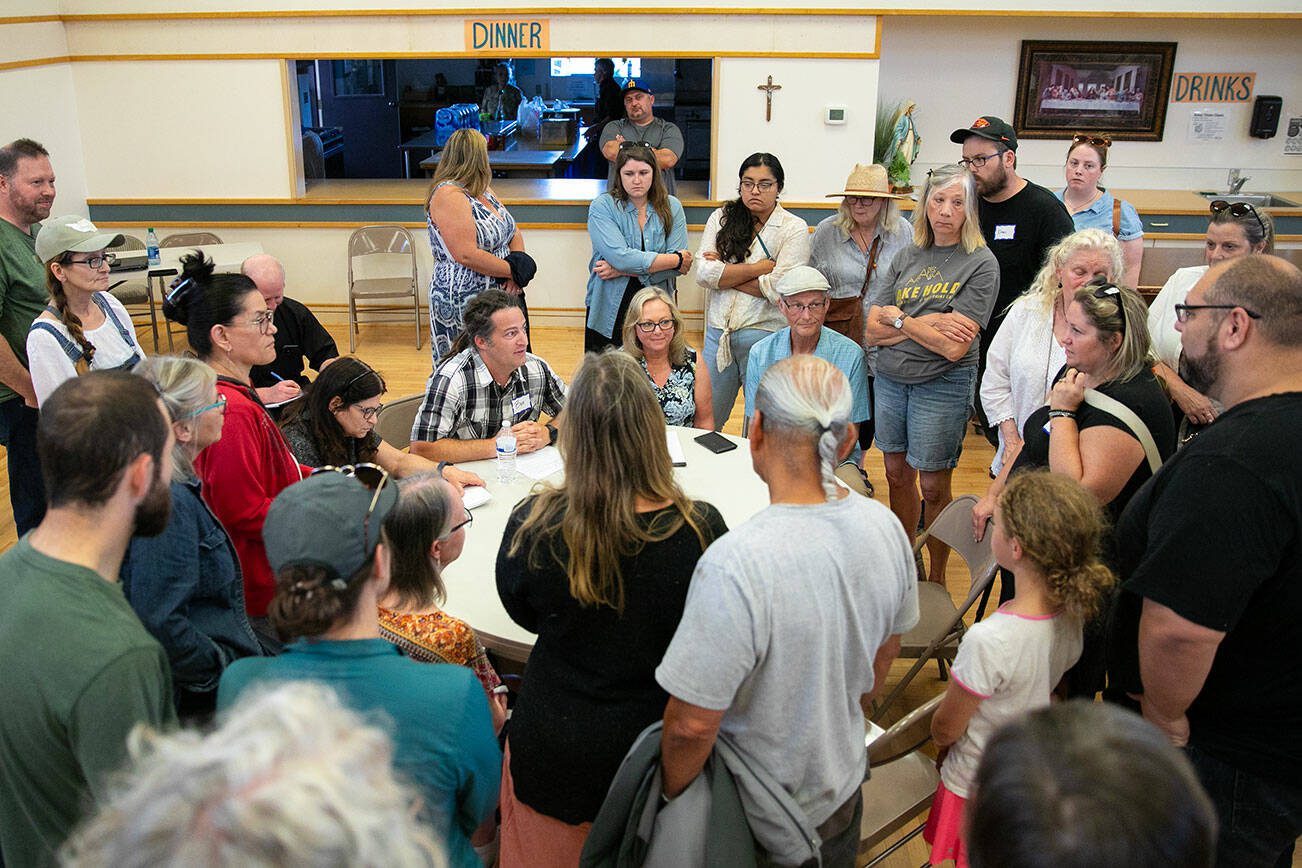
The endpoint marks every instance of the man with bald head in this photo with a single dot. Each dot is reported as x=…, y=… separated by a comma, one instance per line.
x=299, y=335
x=1211, y=609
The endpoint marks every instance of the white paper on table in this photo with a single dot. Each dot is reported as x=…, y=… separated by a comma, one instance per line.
x=475, y=495
x=676, y=455
x=540, y=464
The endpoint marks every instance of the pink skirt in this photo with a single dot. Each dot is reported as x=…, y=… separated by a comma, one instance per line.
x=530, y=839
x=944, y=831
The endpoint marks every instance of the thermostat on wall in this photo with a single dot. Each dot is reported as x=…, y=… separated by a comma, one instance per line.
x=834, y=114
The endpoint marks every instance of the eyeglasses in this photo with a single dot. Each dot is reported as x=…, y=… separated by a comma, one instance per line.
x=262, y=321
x=646, y=328
x=1110, y=292
x=369, y=413
x=1097, y=141
x=1182, y=311
x=813, y=307
x=861, y=200
x=1239, y=209
x=94, y=262
x=374, y=477
x=220, y=402
x=763, y=186
x=978, y=161
x=624, y=146
x=466, y=519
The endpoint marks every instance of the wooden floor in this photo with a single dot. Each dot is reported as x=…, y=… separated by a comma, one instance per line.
x=391, y=350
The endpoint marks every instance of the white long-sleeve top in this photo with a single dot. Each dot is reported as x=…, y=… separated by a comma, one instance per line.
x=1161, y=314
x=1023, y=358
x=787, y=238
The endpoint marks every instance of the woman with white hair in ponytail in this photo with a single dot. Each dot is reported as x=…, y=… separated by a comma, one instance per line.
x=804, y=605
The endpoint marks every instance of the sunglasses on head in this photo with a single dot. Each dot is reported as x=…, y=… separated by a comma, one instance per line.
x=374, y=477
x=624, y=146
x=1086, y=139
x=1111, y=292
x=1238, y=209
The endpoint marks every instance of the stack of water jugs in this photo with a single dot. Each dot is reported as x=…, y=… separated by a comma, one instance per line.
x=448, y=120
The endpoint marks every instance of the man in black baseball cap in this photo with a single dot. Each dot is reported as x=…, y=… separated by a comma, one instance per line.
x=639, y=125
x=1020, y=220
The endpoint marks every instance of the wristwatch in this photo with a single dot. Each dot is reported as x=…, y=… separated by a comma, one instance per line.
x=679, y=254
x=899, y=321
x=552, y=433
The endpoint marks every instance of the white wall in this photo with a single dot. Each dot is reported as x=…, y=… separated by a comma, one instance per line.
x=817, y=158
x=184, y=129
x=957, y=69
x=39, y=103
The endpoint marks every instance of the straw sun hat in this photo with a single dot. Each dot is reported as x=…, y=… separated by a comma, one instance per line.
x=868, y=180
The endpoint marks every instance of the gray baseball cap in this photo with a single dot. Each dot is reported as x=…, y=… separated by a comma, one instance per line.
x=323, y=521
x=802, y=278
x=71, y=233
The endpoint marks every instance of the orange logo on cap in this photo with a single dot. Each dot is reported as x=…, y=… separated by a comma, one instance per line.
x=979, y=123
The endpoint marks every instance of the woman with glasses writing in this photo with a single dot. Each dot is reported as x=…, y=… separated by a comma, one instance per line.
x=1235, y=230
x=653, y=334
x=84, y=327
x=185, y=583
x=927, y=313
x=1104, y=404
x=1093, y=207
x=229, y=327
x=598, y=566
x=334, y=424
x=747, y=245
x=639, y=238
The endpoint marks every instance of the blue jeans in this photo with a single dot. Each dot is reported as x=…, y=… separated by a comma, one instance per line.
x=1260, y=819
x=725, y=384
x=925, y=421
x=26, y=487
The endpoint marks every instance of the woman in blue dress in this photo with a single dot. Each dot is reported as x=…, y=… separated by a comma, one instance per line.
x=653, y=334
x=639, y=238
x=475, y=241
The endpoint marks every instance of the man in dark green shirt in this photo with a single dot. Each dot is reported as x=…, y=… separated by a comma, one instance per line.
x=78, y=671
x=26, y=194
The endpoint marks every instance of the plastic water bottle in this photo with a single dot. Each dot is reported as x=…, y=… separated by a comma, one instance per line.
x=506, y=455
x=151, y=249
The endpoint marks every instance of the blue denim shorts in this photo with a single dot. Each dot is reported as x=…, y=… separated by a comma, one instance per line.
x=926, y=421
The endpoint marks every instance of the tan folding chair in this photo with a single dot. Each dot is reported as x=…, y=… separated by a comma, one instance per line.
x=395, y=420
x=901, y=782
x=135, y=293
x=189, y=239
x=381, y=265
x=940, y=623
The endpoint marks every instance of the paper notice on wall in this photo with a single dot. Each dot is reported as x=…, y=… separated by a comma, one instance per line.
x=1293, y=141
x=1206, y=126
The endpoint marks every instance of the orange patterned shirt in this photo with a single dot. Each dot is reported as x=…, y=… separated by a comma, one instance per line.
x=437, y=637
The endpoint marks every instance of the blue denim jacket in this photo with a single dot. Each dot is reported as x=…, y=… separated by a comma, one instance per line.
x=616, y=238
x=186, y=587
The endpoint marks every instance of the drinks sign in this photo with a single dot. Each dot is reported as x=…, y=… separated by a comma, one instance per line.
x=506, y=36
x=1212, y=86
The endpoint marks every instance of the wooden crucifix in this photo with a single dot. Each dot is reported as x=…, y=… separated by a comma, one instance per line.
x=768, y=97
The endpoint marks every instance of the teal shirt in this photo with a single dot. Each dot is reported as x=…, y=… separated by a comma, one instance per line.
x=78, y=671
x=437, y=716
x=22, y=291
x=832, y=347
x=630, y=249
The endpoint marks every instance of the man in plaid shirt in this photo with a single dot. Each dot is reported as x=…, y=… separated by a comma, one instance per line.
x=489, y=379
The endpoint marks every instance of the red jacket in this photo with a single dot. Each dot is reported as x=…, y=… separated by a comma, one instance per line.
x=242, y=473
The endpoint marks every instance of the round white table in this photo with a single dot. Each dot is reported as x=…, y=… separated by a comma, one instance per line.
x=728, y=481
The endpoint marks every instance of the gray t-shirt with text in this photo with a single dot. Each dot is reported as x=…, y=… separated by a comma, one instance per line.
x=932, y=281
x=784, y=616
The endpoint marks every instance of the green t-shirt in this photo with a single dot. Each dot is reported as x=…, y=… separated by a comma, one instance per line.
x=22, y=291
x=77, y=673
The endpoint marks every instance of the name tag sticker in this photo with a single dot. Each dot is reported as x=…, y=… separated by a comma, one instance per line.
x=1005, y=232
x=520, y=405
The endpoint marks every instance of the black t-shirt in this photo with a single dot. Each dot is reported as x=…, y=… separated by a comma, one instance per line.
x=298, y=334
x=1216, y=537
x=1143, y=395
x=590, y=685
x=1019, y=231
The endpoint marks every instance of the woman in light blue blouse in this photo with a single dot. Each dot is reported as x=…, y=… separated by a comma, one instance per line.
x=639, y=238
x=1093, y=207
